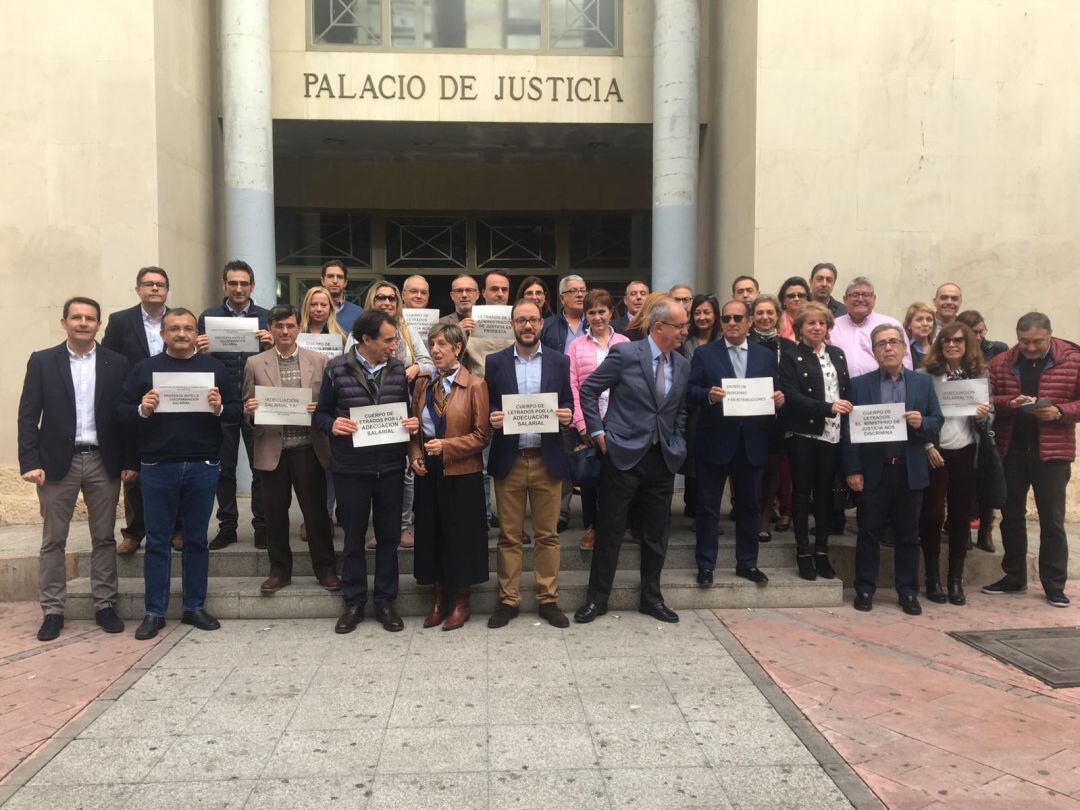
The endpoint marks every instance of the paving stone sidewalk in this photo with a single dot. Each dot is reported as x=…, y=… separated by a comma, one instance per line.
x=926, y=720
x=624, y=712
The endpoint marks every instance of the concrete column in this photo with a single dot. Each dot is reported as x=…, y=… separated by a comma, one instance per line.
x=248, y=140
x=675, y=142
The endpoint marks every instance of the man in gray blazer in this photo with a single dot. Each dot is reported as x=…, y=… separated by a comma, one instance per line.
x=642, y=440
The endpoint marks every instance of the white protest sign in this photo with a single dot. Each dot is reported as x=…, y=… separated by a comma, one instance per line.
x=878, y=423
x=183, y=391
x=530, y=413
x=232, y=334
x=328, y=344
x=282, y=406
x=748, y=396
x=420, y=321
x=961, y=397
x=379, y=424
x=493, y=321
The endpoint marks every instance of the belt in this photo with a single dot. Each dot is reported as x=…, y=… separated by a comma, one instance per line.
x=86, y=448
x=530, y=452
x=895, y=460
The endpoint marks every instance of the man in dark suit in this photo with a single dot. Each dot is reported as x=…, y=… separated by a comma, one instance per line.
x=529, y=465
x=891, y=476
x=70, y=440
x=734, y=447
x=238, y=284
x=136, y=334
x=641, y=437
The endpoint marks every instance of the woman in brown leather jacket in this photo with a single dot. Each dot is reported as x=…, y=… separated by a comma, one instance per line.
x=447, y=457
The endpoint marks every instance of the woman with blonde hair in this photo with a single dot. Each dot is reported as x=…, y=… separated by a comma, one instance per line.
x=638, y=327
x=317, y=314
x=919, y=324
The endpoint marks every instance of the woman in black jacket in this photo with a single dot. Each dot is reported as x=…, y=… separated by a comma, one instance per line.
x=814, y=379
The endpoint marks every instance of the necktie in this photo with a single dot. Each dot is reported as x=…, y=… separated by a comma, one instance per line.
x=661, y=381
x=737, y=361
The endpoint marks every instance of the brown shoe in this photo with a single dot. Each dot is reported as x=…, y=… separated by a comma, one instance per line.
x=223, y=539
x=177, y=541
x=438, y=607
x=330, y=582
x=371, y=542
x=273, y=585
x=303, y=532
x=460, y=614
x=353, y=615
x=588, y=540
x=407, y=540
x=127, y=546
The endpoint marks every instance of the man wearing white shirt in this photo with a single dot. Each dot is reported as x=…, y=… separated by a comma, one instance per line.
x=851, y=333
x=70, y=440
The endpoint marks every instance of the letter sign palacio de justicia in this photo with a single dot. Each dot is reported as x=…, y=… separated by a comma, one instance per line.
x=462, y=87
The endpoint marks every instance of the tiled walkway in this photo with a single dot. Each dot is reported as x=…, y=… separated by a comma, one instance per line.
x=924, y=719
x=624, y=712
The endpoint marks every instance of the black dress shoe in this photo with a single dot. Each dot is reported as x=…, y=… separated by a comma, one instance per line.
x=493, y=521
x=956, y=591
x=910, y=603
x=704, y=576
x=755, y=575
x=589, y=611
x=260, y=538
x=224, y=537
x=388, y=618
x=807, y=569
x=200, y=620
x=935, y=593
x=149, y=627
x=108, y=621
x=51, y=626
x=353, y=615
x=658, y=610
x=864, y=602
x=562, y=526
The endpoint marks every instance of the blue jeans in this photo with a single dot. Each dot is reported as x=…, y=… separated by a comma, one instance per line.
x=172, y=489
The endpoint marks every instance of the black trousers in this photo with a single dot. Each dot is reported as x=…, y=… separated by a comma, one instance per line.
x=227, y=513
x=359, y=496
x=892, y=502
x=1024, y=471
x=649, y=486
x=746, y=503
x=298, y=469
x=813, y=468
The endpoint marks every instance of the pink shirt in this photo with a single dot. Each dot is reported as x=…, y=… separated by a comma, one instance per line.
x=854, y=339
x=585, y=354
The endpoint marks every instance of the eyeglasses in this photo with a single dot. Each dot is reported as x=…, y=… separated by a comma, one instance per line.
x=172, y=330
x=979, y=332
x=959, y=340
x=794, y=295
x=859, y=296
x=154, y=284
x=679, y=326
x=891, y=342
x=684, y=300
x=526, y=321
x=464, y=290
x=732, y=318
x=390, y=297
x=574, y=291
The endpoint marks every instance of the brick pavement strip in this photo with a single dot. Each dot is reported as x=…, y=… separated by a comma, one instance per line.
x=44, y=686
x=925, y=720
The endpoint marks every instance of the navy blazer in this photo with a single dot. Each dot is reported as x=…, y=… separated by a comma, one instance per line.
x=124, y=334
x=47, y=413
x=634, y=417
x=867, y=459
x=501, y=378
x=717, y=435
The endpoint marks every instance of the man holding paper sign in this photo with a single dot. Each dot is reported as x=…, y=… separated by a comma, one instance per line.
x=179, y=454
x=732, y=437
x=529, y=465
x=368, y=480
x=890, y=475
x=238, y=283
x=290, y=454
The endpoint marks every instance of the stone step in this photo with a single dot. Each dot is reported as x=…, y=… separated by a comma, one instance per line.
x=244, y=560
x=239, y=597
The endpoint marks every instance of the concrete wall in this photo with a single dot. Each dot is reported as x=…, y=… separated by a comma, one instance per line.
x=915, y=141
x=104, y=123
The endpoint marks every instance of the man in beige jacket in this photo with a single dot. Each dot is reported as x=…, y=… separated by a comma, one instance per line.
x=290, y=457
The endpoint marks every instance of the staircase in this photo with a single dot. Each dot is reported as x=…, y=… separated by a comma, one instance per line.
x=237, y=571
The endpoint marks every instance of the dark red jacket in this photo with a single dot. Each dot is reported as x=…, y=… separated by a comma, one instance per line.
x=1060, y=381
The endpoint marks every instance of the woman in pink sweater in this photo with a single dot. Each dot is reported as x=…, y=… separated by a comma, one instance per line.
x=586, y=353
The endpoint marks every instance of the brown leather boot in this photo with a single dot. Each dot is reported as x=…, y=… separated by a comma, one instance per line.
x=438, y=607
x=986, y=536
x=460, y=614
